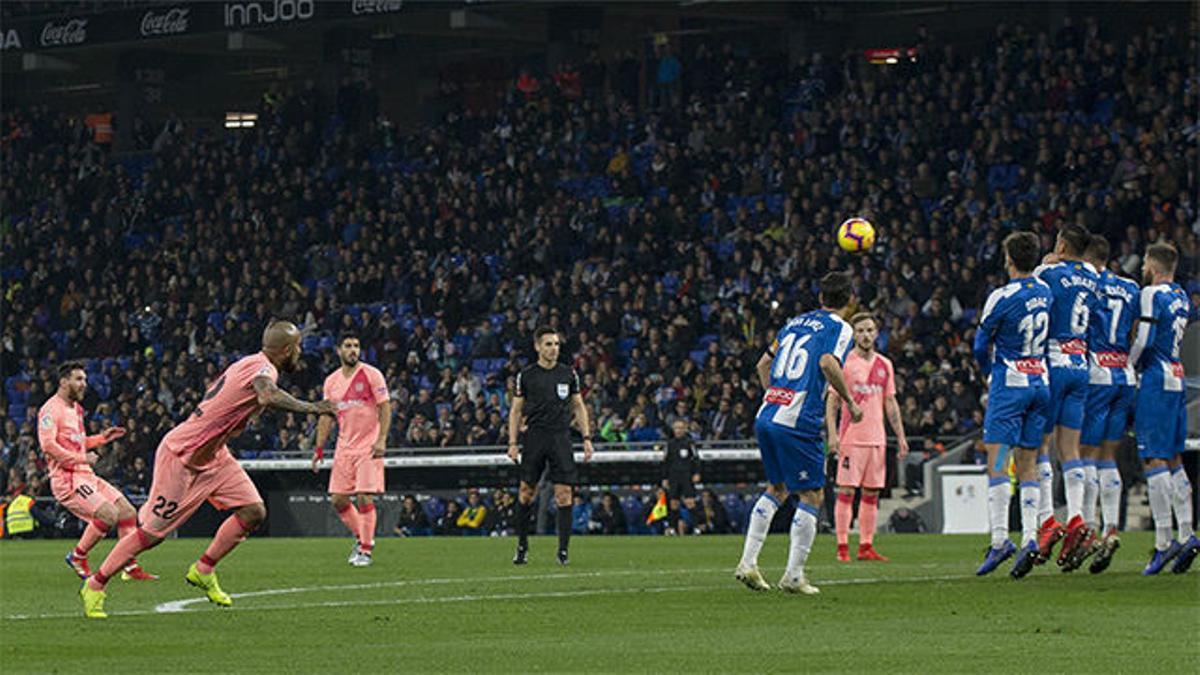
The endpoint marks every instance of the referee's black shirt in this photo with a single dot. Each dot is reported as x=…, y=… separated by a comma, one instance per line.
x=547, y=393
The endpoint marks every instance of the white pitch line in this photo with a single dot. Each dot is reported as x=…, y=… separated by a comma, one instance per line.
x=182, y=606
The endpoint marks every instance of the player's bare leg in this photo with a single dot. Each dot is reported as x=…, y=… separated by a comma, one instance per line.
x=868, y=514
x=564, y=497
x=761, y=516
x=524, y=500
x=366, y=532
x=349, y=517
x=803, y=531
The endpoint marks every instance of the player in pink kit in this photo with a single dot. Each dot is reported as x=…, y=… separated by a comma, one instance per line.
x=364, y=415
x=193, y=465
x=862, y=445
x=70, y=455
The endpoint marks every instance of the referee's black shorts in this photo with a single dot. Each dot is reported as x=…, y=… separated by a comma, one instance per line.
x=551, y=448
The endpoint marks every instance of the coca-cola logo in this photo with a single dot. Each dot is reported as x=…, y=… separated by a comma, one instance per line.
x=73, y=32
x=173, y=22
x=375, y=6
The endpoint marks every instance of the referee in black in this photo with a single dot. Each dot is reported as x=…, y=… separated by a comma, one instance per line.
x=547, y=393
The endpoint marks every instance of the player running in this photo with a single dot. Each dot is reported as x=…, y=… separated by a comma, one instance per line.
x=1072, y=284
x=1010, y=347
x=863, y=446
x=70, y=455
x=805, y=358
x=364, y=415
x=1112, y=388
x=1160, y=417
x=193, y=465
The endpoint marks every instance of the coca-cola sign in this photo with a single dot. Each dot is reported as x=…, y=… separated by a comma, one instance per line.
x=358, y=7
x=172, y=22
x=73, y=32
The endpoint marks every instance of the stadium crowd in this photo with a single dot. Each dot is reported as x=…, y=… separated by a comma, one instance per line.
x=667, y=234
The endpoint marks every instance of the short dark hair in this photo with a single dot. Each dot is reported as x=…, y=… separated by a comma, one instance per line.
x=1022, y=249
x=543, y=331
x=1077, y=238
x=1164, y=254
x=65, y=369
x=347, y=335
x=835, y=290
x=1098, y=248
x=863, y=316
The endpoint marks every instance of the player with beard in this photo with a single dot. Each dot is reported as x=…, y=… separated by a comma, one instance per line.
x=193, y=465
x=70, y=455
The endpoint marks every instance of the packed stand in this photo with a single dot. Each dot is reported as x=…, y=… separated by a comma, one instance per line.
x=668, y=242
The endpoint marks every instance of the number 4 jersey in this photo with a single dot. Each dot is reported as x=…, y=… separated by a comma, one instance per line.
x=795, y=400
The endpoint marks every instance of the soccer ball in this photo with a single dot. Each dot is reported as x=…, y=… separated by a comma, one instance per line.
x=856, y=235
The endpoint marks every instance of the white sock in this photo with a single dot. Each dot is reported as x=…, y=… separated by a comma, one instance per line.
x=1158, y=482
x=1073, y=481
x=1110, y=493
x=1030, y=496
x=1182, y=502
x=1091, y=489
x=804, y=530
x=1046, y=487
x=760, y=524
x=998, y=496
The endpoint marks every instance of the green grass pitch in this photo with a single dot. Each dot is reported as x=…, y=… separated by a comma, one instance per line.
x=625, y=604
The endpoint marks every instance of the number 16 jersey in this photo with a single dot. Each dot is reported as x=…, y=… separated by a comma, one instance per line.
x=796, y=398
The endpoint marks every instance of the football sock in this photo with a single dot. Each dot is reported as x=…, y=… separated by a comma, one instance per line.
x=1091, y=488
x=1030, y=497
x=868, y=511
x=95, y=531
x=998, y=509
x=231, y=533
x=760, y=524
x=1110, y=492
x=1158, y=482
x=843, y=513
x=366, y=523
x=349, y=516
x=563, y=527
x=126, y=549
x=1073, y=480
x=1045, y=472
x=804, y=530
x=1182, y=502
x=522, y=524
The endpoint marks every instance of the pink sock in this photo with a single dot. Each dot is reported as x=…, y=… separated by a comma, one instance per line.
x=350, y=517
x=366, y=524
x=868, y=512
x=126, y=549
x=231, y=533
x=843, y=513
x=96, y=530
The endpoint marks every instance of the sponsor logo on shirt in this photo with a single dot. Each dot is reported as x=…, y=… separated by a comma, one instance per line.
x=1030, y=366
x=1112, y=359
x=780, y=396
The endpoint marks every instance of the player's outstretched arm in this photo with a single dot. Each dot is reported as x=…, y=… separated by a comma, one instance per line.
x=833, y=372
x=270, y=395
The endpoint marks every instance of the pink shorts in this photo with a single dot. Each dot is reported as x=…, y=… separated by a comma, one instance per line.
x=84, y=493
x=862, y=466
x=356, y=473
x=178, y=490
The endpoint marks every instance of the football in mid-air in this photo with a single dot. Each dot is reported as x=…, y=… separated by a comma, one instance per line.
x=856, y=235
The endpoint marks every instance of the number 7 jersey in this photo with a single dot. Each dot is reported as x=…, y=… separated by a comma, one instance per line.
x=795, y=400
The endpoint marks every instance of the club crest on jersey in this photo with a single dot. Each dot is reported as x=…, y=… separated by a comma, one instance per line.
x=358, y=387
x=563, y=390
x=47, y=422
